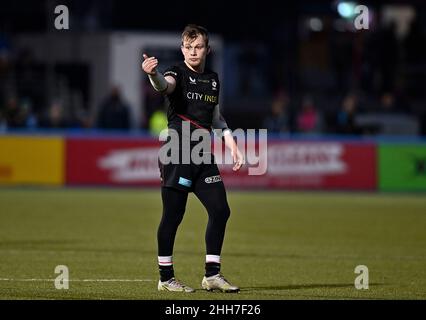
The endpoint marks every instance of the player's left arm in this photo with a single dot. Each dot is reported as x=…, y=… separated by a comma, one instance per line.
x=219, y=123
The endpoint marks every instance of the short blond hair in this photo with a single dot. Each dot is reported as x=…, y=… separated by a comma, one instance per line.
x=192, y=31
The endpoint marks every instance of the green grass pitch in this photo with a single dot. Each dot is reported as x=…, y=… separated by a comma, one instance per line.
x=278, y=245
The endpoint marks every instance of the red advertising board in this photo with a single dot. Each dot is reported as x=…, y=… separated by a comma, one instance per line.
x=311, y=165
x=289, y=165
x=112, y=162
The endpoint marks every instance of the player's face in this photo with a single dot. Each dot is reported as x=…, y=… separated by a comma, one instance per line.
x=195, y=51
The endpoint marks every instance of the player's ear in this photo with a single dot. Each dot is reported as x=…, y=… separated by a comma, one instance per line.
x=208, y=49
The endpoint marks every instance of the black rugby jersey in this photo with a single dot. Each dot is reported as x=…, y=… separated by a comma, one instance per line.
x=194, y=98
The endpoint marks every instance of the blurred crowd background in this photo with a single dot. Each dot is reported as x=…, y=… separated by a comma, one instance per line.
x=298, y=68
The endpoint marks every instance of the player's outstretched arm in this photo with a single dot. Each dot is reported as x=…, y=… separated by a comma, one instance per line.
x=165, y=85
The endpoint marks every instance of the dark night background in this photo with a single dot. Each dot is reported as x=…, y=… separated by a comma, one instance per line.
x=299, y=56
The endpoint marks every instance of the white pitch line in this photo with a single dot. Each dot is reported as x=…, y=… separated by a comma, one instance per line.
x=77, y=280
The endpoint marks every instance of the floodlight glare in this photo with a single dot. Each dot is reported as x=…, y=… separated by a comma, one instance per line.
x=346, y=9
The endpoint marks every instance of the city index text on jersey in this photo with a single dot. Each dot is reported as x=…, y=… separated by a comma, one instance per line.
x=201, y=97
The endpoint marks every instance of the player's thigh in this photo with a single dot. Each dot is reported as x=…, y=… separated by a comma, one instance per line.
x=209, y=188
x=207, y=177
x=178, y=176
x=174, y=200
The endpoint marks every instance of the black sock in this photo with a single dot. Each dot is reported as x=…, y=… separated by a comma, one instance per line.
x=166, y=273
x=212, y=268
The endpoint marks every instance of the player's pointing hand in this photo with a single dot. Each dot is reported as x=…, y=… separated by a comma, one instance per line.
x=149, y=65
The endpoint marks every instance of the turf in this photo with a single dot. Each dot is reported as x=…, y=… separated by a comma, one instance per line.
x=279, y=245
